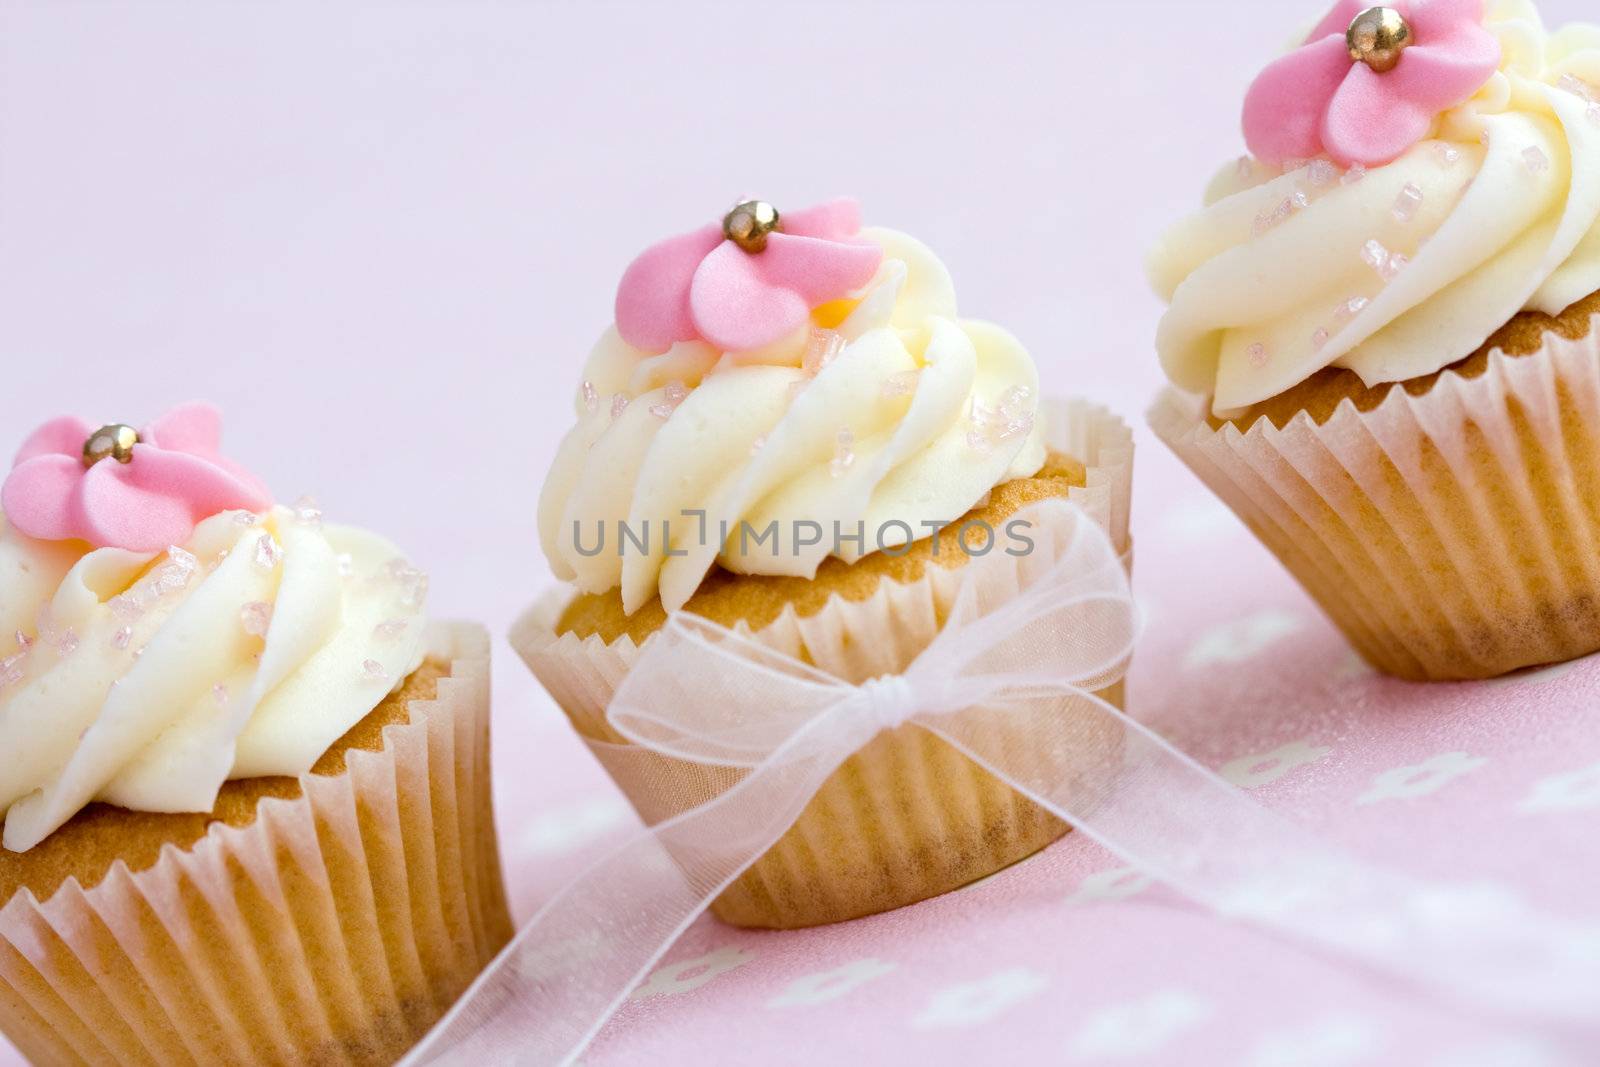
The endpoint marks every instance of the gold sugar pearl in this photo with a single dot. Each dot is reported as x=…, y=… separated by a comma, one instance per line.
x=1377, y=37
x=749, y=223
x=115, y=441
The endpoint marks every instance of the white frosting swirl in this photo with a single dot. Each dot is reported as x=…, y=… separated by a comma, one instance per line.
x=916, y=415
x=1284, y=274
x=148, y=681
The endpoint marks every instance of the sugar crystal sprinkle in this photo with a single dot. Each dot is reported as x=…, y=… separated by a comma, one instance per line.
x=902, y=384
x=1258, y=354
x=758, y=444
x=1374, y=255
x=256, y=618
x=844, y=452
x=245, y=518
x=306, y=512
x=1571, y=83
x=372, y=670
x=822, y=348
x=389, y=629
x=1534, y=158
x=268, y=552
x=1011, y=417
x=1446, y=154
x=619, y=404
x=400, y=570
x=67, y=641
x=24, y=642
x=412, y=582
x=169, y=578
x=11, y=669
x=591, y=395
x=1319, y=339
x=1353, y=175
x=1274, y=218
x=219, y=693
x=674, y=394
x=1394, y=266
x=1351, y=308
x=122, y=637
x=1408, y=203
x=1322, y=172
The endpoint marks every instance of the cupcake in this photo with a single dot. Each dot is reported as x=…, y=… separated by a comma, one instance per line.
x=1382, y=333
x=789, y=431
x=246, y=788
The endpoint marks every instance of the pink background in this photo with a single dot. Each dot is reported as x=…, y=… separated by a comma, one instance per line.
x=383, y=238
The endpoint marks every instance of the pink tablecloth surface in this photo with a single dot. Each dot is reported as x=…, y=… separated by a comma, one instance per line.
x=381, y=236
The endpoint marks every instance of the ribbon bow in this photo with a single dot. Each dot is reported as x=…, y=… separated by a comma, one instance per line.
x=1010, y=681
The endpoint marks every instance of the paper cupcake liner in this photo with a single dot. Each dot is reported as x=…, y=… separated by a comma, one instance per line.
x=1450, y=535
x=907, y=817
x=335, y=928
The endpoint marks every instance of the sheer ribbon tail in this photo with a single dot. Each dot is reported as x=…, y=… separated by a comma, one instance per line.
x=572, y=966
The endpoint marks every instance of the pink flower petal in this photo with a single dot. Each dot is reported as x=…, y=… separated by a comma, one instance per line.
x=1369, y=122
x=62, y=437
x=834, y=221
x=252, y=493
x=818, y=270
x=39, y=497
x=736, y=308
x=700, y=286
x=652, y=308
x=113, y=510
x=1283, y=112
x=194, y=427
x=742, y=301
x=1430, y=18
x=145, y=505
x=1447, y=70
x=158, y=499
x=1338, y=20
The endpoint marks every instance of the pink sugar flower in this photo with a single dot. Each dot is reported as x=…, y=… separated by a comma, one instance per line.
x=144, y=499
x=1320, y=99
x=701, y=286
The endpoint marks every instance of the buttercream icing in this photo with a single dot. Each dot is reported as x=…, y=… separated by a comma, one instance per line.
x=146, y=679
x=1399, y=270
x=883, y=412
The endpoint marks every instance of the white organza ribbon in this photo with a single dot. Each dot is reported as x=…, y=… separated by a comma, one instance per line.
x=1010, y=684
